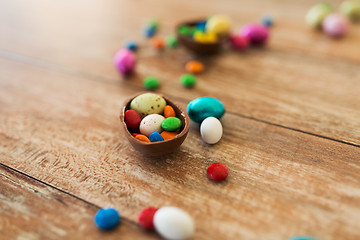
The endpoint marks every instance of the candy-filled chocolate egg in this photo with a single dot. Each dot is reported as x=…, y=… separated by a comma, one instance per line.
x=151, y=123
x=201, y=108
x=148, y=103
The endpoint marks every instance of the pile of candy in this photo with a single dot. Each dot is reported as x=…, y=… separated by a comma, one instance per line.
x=321, y=16
x=145, y=121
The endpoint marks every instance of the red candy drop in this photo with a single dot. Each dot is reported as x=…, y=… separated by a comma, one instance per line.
x=146, y=218
x=132, y=118
x=217, y=171
x=134, y=134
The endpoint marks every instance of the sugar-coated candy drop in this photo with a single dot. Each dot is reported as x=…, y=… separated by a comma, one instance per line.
x=146, y=217
x=171, y=124
x=149, y=31
x=200, y=26
x=188, y=80
x=157, y=42
x=168, y=135
x=302, y=238
x=202, y=37
x=151, y=123
x=173, y=223
x=142, y=138
x=107, y=218
x=239, y=42
x=218, y=24
x=211, y=130
x=131, y=45
x=172, y=41
x=132, y=118
x=201, y=108
x=335, y=25
x=151, y=83
x=351, y=9
x=194, y=67
x=267, y=21
x=169, y=111
x=134, y=134
x=153, y=23
x=256, y=33
x=125, y=61
x=317, y=14
x=156, y=137
x=148, y=103
x=217, y=171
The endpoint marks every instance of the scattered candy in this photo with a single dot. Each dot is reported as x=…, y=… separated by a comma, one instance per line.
x=205, y=37
x=201, y=108
x=146, y=217
x=239, y=42
x=172, y=41
x=149, y=31
x=151, y=83
x=132, y=118
x=188, y=80
x=335, y=25
x=173, y=223
x=156, y=137
x=169, y=111
x=153, y=23
x=168, y=135
x=302, y=238
x=267, y=21
x=132, y=46
x=194, y=67
x=171, y=124
x=218, y=24
x=256, y=33
x=148, y=103
x=351, y=9
x=211, y=130
x=142, y=138
x=217, y=171
x=157, y=42
x=317, y=14
x=125, y=61
x=107, y=218
x=151, y=123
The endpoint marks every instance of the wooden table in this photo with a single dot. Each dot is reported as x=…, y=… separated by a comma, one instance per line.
x=291, y=131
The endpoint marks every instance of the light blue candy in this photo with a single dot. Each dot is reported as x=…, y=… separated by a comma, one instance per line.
x=267, y=21
x=132, y=46
x=204, y=107
x=302, y=238
x=107, y=218
x=156, y=137
x=149, y=31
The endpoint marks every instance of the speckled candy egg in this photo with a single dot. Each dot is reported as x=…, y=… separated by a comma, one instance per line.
x=151, y=123
x=256, y=33
x=211, y=130
x=317, y=13
x=173, y=223
x=335, y=25
x=351, y=9
x=125, y=61
x=148, y=103
x=218, y=24
x=201, y=108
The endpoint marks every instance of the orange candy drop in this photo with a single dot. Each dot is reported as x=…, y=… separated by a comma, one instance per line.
x=169, y=111
x=194, y=67
x=157, y=42
x=142, y=138
x=168, y=135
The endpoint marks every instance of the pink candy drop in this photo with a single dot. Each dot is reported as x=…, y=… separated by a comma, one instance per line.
x=125, y=61
x=256, y=33
x=335, y=25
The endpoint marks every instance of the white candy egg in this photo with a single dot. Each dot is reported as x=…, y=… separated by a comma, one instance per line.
x=173, y=223
x=211, y=130
x=151, y=123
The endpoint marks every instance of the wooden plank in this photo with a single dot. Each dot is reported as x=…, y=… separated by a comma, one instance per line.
x=32, y=210
x=303, y=80
x=64, y=130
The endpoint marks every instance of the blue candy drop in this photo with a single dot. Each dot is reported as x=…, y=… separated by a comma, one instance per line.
x=201, y=108
x=107, y=218
x=132, y=46
x=156, y=137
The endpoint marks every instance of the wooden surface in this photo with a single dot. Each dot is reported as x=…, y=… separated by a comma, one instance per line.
x=291, y=132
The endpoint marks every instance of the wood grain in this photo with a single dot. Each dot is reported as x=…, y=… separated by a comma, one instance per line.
x=64, y=130
x=32, y=210
x=303, y=80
